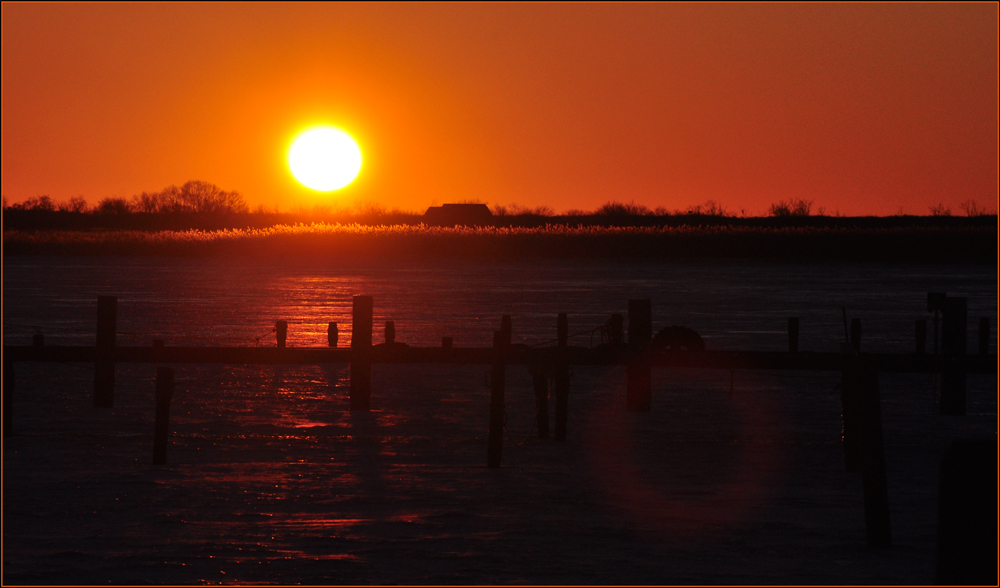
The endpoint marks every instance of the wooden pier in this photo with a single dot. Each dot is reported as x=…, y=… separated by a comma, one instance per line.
x=862, y=428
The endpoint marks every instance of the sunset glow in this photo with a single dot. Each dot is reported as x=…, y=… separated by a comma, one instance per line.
x=324, y=159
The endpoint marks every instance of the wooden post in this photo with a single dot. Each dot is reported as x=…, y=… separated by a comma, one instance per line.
x=104, y=367
x=501, y=340
x=856, y=335
x=8, y=397
x=540, y=383
x=984, y=336
x=562, y=376
x=850, y=404
x=332, y=335
x=953, y=344
x=877, y=526
x=390, y=332
x=638, y=385
x=281, y=329
x=793, y=334
x=38, y=340
x=920, y=333
x=447, y=343
x=361, y=347
x=161, y=430
x=158, y=343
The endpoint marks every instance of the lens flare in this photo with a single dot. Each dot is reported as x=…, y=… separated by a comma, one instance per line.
x=324, y=159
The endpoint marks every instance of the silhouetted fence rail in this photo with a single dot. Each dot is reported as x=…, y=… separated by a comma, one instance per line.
x=862, y=421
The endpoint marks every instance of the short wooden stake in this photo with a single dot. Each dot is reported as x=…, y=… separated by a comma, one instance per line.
x=390, y=332
x=104, y=367
x=38, y=340
x=447, y=343
x=876, y=495
x=361, y=347
x=793, y=334
x=332, y=335
x=157, y=343
x=984, y=336
x=8, y=397
x=920, y=334
x=856, y=335
x=540, y=383
x=494, y=450
x=953, y=344
x=164, y=393
x=281, y=329
x=638, y=384
x=562, y=377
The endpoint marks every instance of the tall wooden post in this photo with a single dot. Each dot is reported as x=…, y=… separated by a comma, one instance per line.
x=281, y=330
x=361, y=350
x=850, y=403
x=920, y=334
x=498, y=381
x=793, y=334
x=161, y=430
x=104, y=367
x=562, y=376
x=953, y=344
x=638, y=385
x=390, y=332
x=38, y=340
x=876, y=494
x=8, y=397
x=332, y=335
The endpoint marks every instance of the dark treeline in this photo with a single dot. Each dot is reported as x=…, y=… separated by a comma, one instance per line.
x=204, y=206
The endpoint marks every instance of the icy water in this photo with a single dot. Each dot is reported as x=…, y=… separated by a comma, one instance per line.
x=731, y=478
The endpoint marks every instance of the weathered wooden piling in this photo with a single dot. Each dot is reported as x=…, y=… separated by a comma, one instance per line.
x=447, y=342
x=638, y=381
x=876, y=495
x=281, y=331
x=157, y=343
x=540, y=385
x=498, y=381
x=332, y=335
x=361, y=351
x=856, y=334
x=38, y=340
x=161, y=430
x=104, y=366
x=935, y=304
x=562, y=376
x=984, y=336
x=8, y=397
x=850, y=405
x=920, y=334
x=793, y=334
x=953, y=344
x=390, y=332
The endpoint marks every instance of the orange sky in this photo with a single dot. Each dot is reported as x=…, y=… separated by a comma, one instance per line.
x=862, y=108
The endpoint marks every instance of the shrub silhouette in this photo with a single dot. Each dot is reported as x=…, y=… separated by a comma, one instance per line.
x=798, y=207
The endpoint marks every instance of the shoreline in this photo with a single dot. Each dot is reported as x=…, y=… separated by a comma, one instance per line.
x=967, y=244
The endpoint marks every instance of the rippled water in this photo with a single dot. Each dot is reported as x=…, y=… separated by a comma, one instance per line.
x=731, y=478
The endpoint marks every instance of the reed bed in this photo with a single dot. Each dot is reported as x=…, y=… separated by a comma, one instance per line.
x=921, y=244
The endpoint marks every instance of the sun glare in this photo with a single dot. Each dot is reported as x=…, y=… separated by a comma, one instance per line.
x=324, y=159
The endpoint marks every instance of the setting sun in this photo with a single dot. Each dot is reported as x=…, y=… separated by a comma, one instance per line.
x=324, y=159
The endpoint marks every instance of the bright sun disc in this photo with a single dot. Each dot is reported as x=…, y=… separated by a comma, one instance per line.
x=324, y=159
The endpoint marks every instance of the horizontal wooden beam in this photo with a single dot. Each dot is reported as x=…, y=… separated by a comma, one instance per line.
x=516, y=355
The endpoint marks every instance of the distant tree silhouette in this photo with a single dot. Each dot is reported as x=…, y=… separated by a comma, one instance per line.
x=113, y=206
x=37, y=203
x=940, y=210
x=195, y=196
x=76, y=204
x=622, y=209
x=791, y=208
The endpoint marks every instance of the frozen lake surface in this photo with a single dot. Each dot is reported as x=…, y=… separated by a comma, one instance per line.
x=271, y=479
